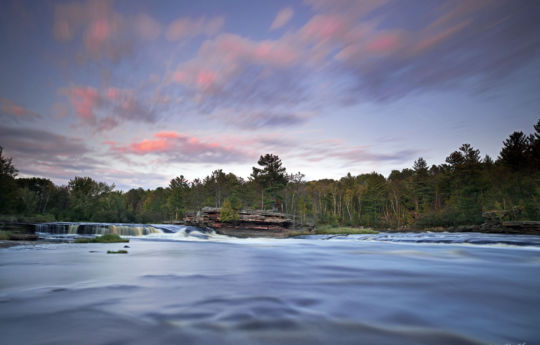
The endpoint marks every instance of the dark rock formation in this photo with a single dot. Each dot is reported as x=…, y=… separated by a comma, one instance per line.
x=19, y=231
x=497, y=222
x=17, y=236
x=502, y=221
x=23, y=228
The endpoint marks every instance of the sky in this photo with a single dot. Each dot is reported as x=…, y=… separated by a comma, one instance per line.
x=136, y=93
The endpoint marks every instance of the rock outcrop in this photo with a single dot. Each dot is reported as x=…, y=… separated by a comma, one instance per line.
x=250, y=223
x=502, y=221
x=19, y=231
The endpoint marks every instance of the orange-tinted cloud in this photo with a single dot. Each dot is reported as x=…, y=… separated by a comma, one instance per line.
x=183, y=148
x=149, y=146
x=167, y=134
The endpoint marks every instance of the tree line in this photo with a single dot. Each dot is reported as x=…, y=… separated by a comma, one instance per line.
x=456, y=192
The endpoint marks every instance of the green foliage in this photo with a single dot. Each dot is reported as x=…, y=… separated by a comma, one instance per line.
x=228, y=213
x=6, y=165
x=175, y=200
x=4, y=235
x=515, y=150
x=345, y=230
x=450, y=194
x=108, y=238
x=8, y=186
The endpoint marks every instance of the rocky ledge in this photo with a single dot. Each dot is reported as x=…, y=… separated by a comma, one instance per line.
x=11, y=231
x=250, y=223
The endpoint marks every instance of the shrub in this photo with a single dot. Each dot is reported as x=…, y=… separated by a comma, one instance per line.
x=228, y=214
x=109, y=238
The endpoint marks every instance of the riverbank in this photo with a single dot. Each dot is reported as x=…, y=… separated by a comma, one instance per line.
x=258, y=228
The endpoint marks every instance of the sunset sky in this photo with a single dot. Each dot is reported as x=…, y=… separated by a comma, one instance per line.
x=138, y=92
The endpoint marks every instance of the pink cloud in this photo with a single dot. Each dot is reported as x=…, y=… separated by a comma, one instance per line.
x=113, y=93
x=85, y=101
x=149, y=146
x=167, y=134
x=384, y=43
x=230, y=54
x=282, y=18
x=104, y=109
x=147, y=27
x=173, y=146
x=96, y=19
x=12, y=109
x=188, y=27
x=104, y=32
x=110, y=142
x=326, y=27
x=100, y=31
x=206, y=79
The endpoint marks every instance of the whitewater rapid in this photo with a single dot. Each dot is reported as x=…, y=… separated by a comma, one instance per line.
x=170, y=232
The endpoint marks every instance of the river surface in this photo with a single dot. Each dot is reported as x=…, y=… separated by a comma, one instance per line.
x=181, y=286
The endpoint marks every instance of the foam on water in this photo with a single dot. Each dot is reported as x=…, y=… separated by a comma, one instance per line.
x=170, y=232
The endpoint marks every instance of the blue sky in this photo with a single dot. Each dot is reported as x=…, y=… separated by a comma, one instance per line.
x=136, y=92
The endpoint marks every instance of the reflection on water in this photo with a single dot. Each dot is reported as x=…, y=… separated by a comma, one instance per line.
x=362, y=289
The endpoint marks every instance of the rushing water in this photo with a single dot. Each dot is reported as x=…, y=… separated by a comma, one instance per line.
x=179, y=285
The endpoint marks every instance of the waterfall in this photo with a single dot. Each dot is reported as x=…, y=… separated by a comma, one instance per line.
x=150, y=231
x=66, y=228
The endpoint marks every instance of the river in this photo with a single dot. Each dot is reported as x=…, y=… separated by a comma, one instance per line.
x=177, y=285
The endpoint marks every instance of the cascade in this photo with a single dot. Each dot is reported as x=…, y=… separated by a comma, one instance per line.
x=163, y=231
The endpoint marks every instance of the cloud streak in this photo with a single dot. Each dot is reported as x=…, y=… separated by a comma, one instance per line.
x=12, y=110
x=186, y=27
x=182, y=148
x=282, y=18
x=118, y=104
x=43, y=153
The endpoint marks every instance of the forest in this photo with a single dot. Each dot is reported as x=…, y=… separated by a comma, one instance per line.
x=454, y=193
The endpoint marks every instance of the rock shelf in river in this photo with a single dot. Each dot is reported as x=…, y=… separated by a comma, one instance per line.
x=250, y=223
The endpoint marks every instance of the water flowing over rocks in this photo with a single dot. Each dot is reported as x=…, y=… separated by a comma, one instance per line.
x=68, y=228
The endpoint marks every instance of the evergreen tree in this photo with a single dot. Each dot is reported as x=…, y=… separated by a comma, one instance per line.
x=176, y=200
x=534, y=143
x=8, y=187
x=421, y=188
x=514, y=151
x=272, y=178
